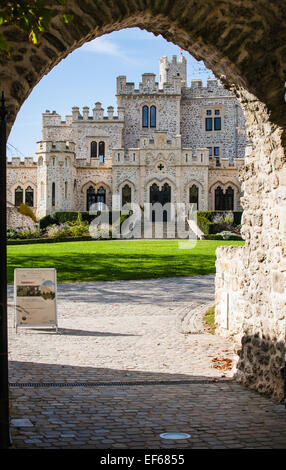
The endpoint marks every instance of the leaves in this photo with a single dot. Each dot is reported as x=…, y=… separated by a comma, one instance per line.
x=222, y=363
x=32, y=17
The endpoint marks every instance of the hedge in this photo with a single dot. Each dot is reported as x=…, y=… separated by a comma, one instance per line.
x=71, y=216
x=217, y=236
x=206, y=224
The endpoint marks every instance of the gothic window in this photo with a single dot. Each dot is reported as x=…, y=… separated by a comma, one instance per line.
x=29, y=196
x=145, y=116
x=90, y=197
x=126, y=195
x=216, y=151
x=229, y=198
x=217, y=112
x=209, y=112
x=93, y=149
x=18, y=196
x=101, y=149
x=153, y=116
x=194, y=195
x=224, y=201
x=66, y=189
x=53, y=194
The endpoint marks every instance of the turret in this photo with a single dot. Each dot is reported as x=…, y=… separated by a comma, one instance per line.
x=169, y=70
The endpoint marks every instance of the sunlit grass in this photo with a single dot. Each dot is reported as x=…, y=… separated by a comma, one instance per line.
x=116, y=260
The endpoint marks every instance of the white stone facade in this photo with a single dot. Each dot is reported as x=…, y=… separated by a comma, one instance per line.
x=165, y=135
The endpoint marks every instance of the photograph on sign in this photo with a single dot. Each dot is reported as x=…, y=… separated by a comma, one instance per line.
x=35, y=297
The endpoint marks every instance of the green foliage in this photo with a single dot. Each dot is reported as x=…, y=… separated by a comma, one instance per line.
x=31, y=17
x=209, y=319
x=212, y=222
x=222, y=236
x=21, y=234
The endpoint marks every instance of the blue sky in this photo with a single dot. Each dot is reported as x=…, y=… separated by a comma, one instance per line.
x=89, y=75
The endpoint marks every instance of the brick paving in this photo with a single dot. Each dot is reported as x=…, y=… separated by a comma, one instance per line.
x=120, y=373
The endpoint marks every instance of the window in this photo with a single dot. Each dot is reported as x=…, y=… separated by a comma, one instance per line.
x=209, y=124
x=153, y=116
x=216, y=151
x=210, y=151
x=149, y=118
x=93, y=149
x=53, y=194
x=213, y=123
x=145, y=116
x=18, y=196
x=66, y=189
x=217, y=124
x=29, y=196
x=101, y=149
x=224, y=201
x=194, y=195
x=126, y=195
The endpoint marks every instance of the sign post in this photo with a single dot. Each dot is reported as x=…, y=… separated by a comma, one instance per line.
x=35, y=294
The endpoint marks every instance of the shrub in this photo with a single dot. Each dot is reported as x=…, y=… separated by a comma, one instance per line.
x=58, y=231
x=101, y=231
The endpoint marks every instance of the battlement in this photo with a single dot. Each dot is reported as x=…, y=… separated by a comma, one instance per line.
x=27, y=162
x=226, y=163
x=54, y=147
x=97, y=114
x=213, y=88
x=148, y=85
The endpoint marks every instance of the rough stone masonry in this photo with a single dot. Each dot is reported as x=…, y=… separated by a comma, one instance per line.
x=244, y=45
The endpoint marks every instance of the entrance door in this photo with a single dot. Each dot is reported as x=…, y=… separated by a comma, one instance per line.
x=163, y=196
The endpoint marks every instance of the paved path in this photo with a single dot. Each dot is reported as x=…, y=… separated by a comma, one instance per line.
x=120, y=372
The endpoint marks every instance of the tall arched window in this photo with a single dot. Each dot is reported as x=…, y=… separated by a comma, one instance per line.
x=229, y=198
x=18, y=196
x=219, y=199
x=194, y=195
x=53, y=194
x=29, y=196
x=145, y=116
x=66, y=189
x=93, y=149
x=90, y=197
x=126, y=195
x=153, y=116
x=101, y=149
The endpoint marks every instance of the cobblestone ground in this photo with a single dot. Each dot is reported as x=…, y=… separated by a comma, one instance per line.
x=120, y=372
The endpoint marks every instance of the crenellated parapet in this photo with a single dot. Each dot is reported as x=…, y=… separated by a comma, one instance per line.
x=54, y=147
x=27, y=162
x=97, y=114
x=226, y=163
x=213, y=89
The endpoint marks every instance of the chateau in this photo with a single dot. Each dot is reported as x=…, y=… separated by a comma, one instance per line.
x=169, y=142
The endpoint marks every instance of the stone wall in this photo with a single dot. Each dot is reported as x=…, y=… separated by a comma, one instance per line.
x=244, y=45
x=251, y=280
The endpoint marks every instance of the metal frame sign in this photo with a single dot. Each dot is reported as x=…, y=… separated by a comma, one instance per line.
x=35, y=295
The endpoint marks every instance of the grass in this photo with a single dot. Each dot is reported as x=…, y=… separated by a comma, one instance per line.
x=209, y=319
x=116, y=260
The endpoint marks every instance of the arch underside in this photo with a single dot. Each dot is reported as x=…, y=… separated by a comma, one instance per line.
x=243, y=43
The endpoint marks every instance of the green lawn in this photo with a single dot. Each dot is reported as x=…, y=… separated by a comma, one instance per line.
x=115, y=260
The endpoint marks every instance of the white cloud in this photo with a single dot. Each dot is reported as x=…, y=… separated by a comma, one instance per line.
x=104, y=45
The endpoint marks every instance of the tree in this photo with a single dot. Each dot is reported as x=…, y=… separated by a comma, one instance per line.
x=32, y=17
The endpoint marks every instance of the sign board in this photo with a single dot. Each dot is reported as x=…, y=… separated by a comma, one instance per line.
x=35, y=294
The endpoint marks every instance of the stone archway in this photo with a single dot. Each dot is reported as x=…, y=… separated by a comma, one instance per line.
x=231, y=39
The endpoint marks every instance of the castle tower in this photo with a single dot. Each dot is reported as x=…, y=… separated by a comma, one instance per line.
x=55, y=176
x=169, y=70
